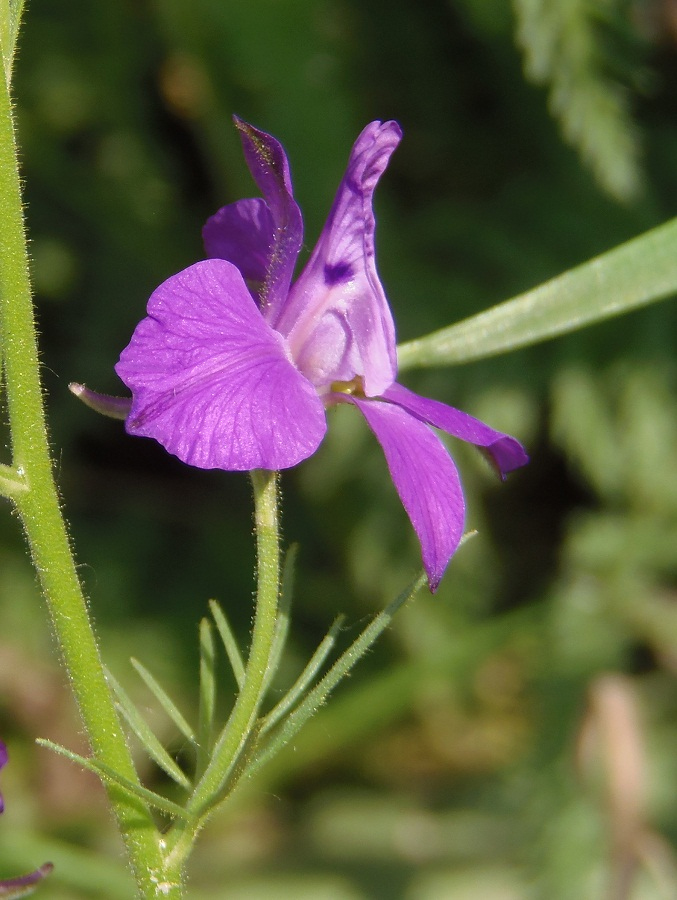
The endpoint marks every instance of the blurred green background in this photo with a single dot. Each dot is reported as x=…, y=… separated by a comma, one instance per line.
x=516, y=735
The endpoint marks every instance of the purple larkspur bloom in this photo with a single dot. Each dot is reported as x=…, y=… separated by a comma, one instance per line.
x=23, y=884
x=236, y=363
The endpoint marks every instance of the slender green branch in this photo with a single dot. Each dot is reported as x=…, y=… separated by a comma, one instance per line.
x=38, y=506
x=236, y=738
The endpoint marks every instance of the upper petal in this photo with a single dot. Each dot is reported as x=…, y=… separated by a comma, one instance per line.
x=269, y=166
x=425, y=478
x=506, y=452
x=242, y=233
x=337, y=318
x=212, y=382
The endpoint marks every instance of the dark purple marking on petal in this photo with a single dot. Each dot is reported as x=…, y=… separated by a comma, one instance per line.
x=213, y=382
x=338, y=272
x=241, y=233
x=347, y=241
x=12, y=888
x=506, y=452
x=269, y=166
x=425, y=477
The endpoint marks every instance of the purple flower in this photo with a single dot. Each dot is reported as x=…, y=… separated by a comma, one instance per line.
x=235, y=365
x=24, y=884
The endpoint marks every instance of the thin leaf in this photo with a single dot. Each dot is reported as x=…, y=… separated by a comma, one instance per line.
x=207, y=695
x=304, y=680
x=9, y=32
x=317, y=697
x=107, y=774
x=12, y=481
x=632, y=275
x=283, y=615
x=229, y=642
x=165, y=701
x=142, y=730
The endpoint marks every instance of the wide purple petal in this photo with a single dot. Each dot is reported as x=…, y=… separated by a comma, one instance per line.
x=425, y=478
x=268, y=164
x=506, y=452
x=212, y=382
x=337, y=319
x=241, y=233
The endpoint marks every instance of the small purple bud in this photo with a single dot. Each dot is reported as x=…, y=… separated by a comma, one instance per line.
x=12, y=888
x=113, y=407
x=4, y=757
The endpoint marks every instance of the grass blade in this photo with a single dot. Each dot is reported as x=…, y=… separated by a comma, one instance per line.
x=207, y=707
x=165, y=701
x=317, y=697
x=107, y=774
x=634, y=274
x=229, y=642
x=142, y=730
x=304, y=680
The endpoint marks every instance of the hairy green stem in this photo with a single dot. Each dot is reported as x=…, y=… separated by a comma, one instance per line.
x=239, y=731
x=38, y=506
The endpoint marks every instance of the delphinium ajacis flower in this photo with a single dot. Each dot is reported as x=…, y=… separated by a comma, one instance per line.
x=23, y=884
x=236, y=363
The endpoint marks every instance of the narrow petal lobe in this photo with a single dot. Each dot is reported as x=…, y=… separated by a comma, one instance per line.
x=425, y=478
x=269, y=166
x=212, y=382
x=506, y=452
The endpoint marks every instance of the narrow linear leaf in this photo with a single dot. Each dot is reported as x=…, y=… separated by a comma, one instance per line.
x=229, y=642
x=283, y=615
x=207, y=695
x=304, y=680
x=317, y=697
x=165, y=701
x=142, y=730
x=107, y=774
x=12, y=482
x=632, y=275
x=9, y=32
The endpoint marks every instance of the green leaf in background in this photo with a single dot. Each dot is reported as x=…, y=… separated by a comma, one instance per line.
x=10, y=19
x=635, y=274
x=565, y=47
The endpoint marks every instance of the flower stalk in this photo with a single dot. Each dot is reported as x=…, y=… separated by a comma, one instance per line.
x=239, y=732
x=35, y=496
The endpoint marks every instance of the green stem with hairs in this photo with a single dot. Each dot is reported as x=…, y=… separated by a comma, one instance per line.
x=30, y=484
x=237, y=736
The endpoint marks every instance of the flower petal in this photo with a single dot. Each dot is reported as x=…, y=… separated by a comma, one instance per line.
x=241, y=233
x=268, y=164
x=506, y=452
x=212, y=382
x=425, y=478
x=337, y=319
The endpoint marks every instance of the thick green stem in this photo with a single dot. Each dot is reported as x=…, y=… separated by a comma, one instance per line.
x=38, y=506
x=237, y=734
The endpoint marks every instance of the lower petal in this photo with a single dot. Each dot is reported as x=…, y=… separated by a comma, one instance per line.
x=212, y=382
x=425, y=478
x=506, y=452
